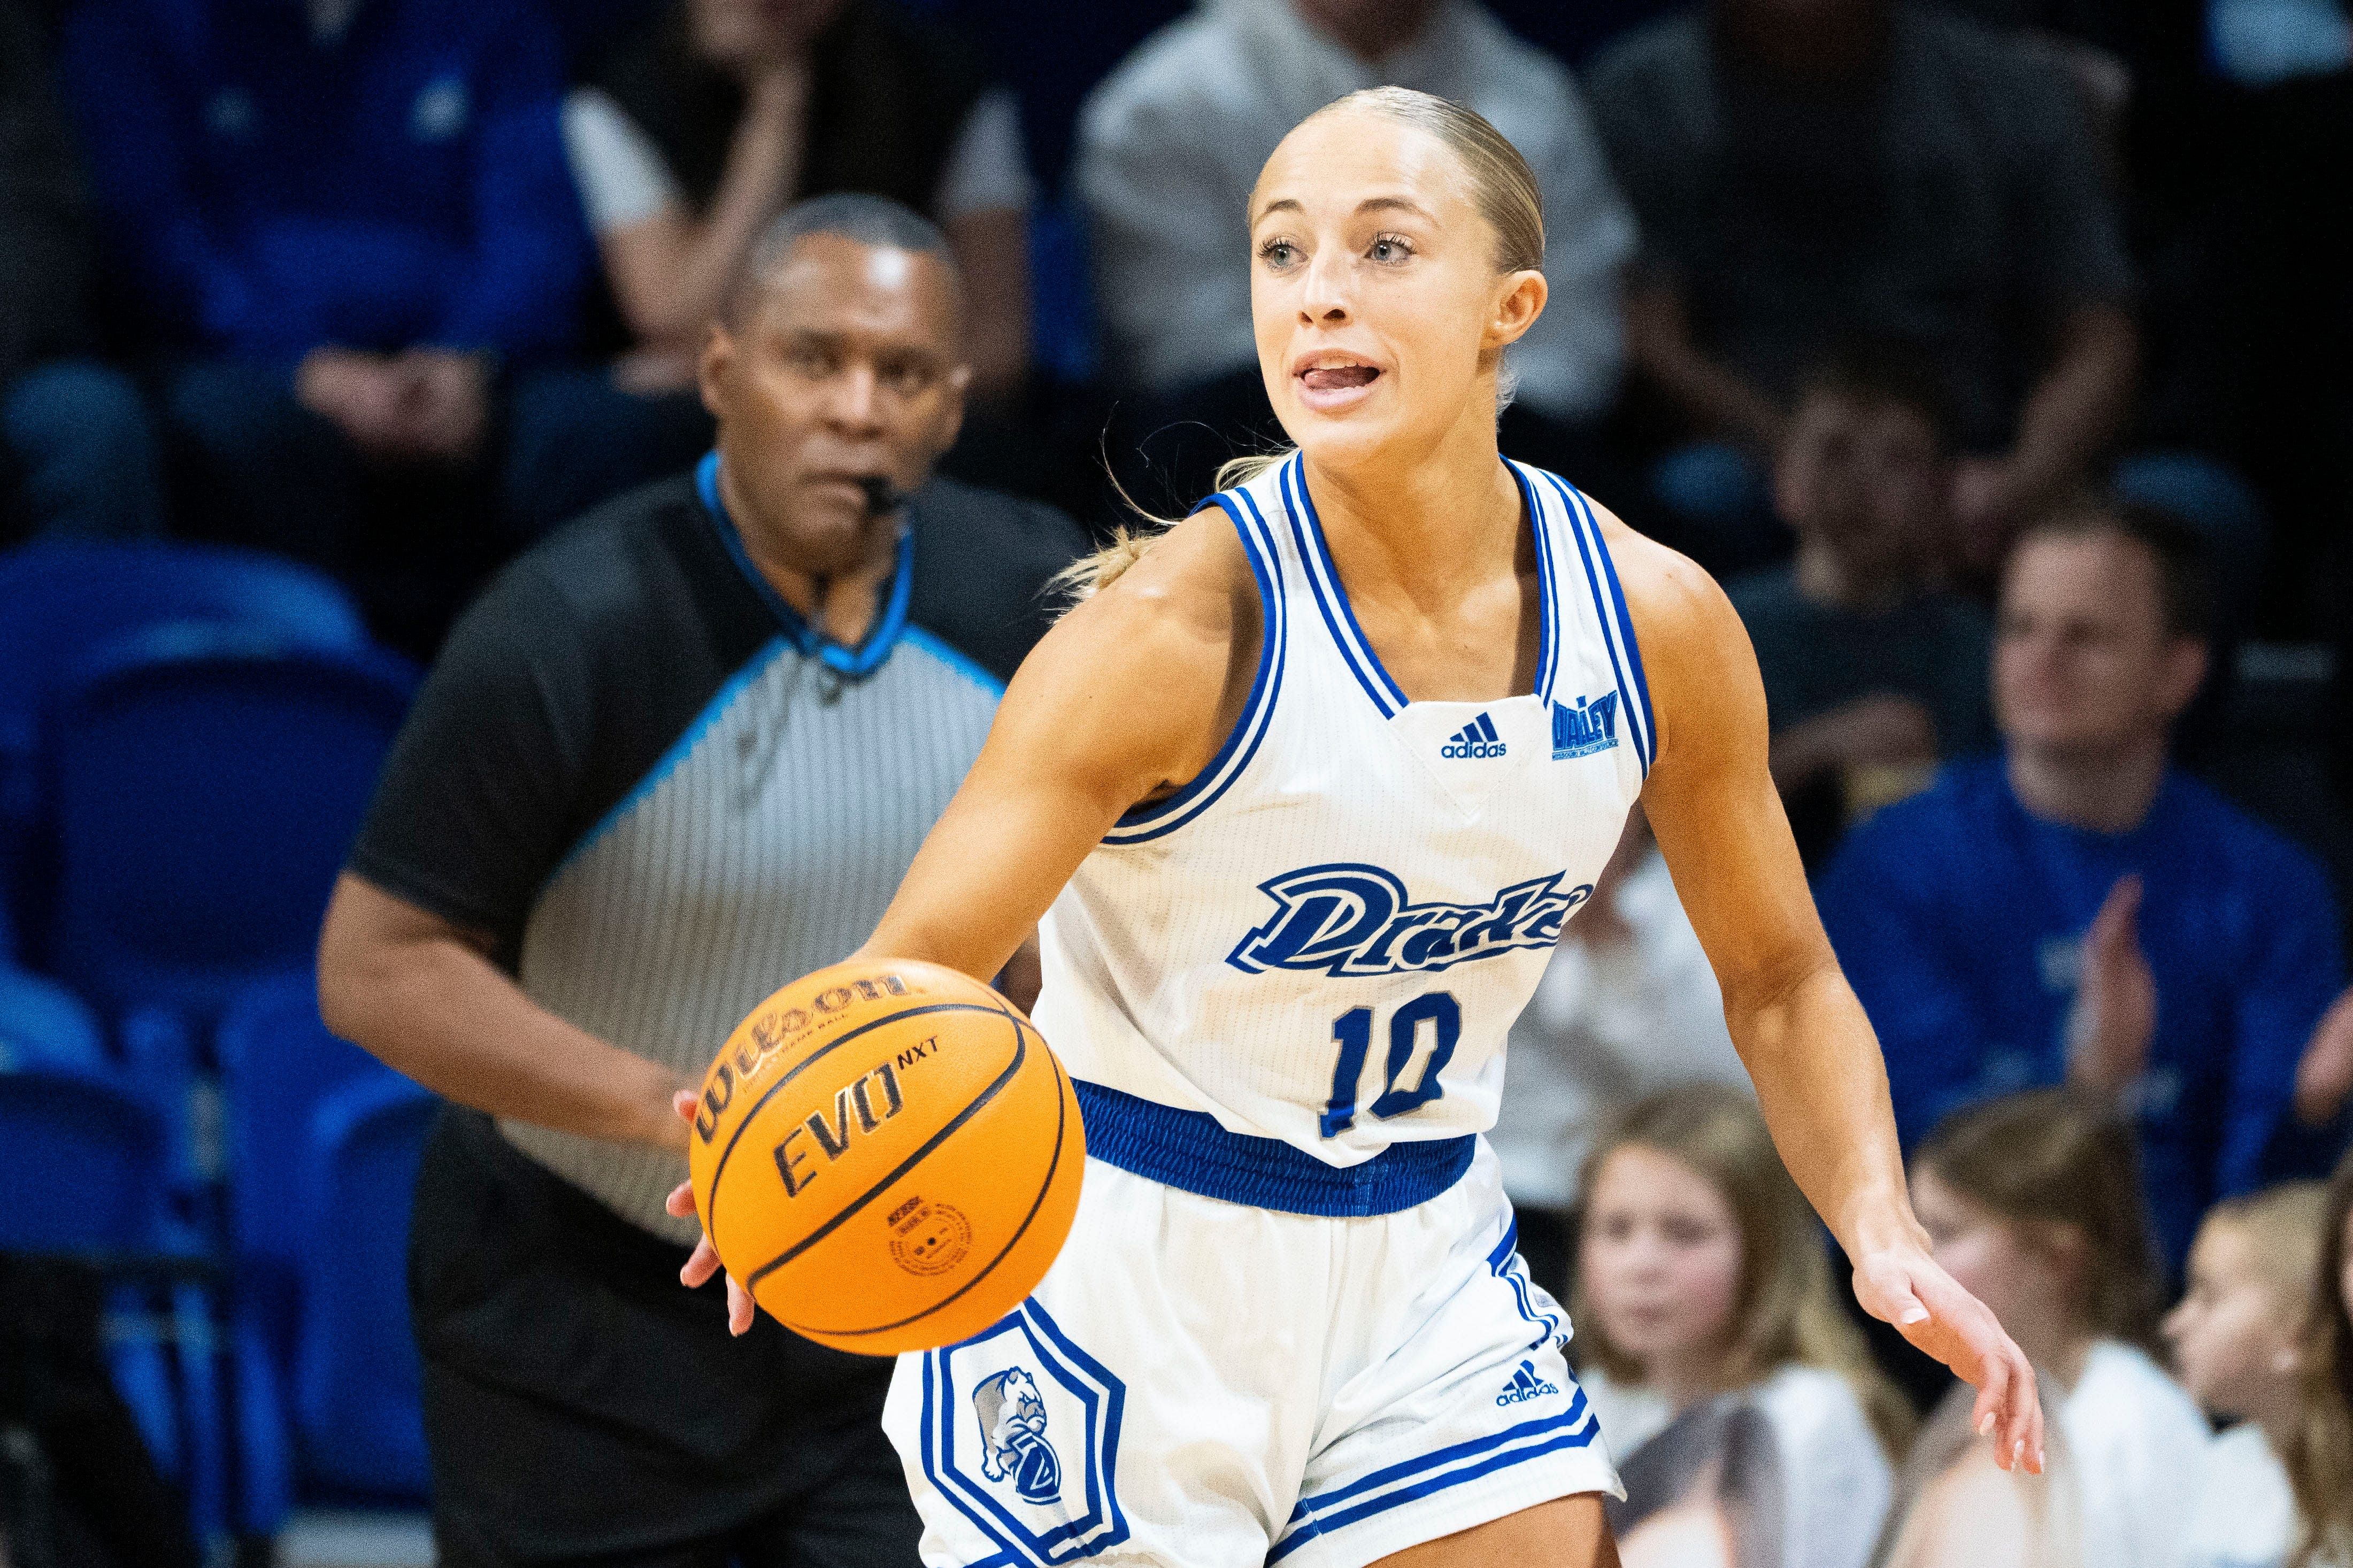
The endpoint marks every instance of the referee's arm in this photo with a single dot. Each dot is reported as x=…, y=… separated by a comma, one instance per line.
x=479, y=800
x=421, y=994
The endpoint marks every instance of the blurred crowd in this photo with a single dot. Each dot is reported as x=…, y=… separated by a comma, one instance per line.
x=1994, y=354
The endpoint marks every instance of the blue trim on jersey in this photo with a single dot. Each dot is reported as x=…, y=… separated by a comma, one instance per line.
x=1504, y=1262
x=880, y=638
x=1325, y=579
x=1633, y=643
x=1583, y=525
x=1189, y=1151
x=679, y=749
x=1572, y=1429
x=1621, y=631
x=1547, y=587
x=1233, y=759
x=954, y=658
x=1356, y=648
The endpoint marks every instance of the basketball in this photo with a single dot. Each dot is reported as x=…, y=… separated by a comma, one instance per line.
x=887, y=1156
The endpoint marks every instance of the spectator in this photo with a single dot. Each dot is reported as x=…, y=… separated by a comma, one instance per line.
x=2320, y=1459
x=1707, y=1321
x=1877, y=167
x=2238, y=1341
x=346, y=228
x=1628, y=1007
x=1872, y=670
x=77, y=448
x=1171, y=143
x=1955, y=1508
x=2079, y=910
x=2033, y=1203
x=698, y=132
x=687, y=746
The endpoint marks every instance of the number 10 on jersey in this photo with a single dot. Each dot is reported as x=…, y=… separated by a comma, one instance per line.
x=1434, y=1016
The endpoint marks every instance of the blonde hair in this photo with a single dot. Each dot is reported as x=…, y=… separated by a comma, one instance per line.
x=2283, y=1222
x=1503, y=188
x=2320, y=1457
x=2061, y=1158
x=1786, y=1311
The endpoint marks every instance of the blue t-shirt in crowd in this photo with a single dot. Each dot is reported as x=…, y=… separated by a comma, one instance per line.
x=265, y=191
x=1958, y=917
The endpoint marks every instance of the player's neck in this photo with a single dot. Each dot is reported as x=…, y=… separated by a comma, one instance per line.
x=1425, y=528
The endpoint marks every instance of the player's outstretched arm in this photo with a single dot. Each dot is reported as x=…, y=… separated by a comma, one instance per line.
x=1126, y=698
x=1817, y=1065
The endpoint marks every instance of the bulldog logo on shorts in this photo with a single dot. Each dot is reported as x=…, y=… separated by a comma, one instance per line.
x=1013, y=1425
x=1020, y=1435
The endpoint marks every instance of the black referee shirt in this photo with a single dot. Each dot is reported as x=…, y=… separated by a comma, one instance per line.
x=663, y=794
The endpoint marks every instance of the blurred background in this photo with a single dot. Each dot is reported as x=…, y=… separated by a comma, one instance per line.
x=1930, y=330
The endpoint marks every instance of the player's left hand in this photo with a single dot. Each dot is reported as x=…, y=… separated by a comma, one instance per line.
x=704, y=1262
x=1901, y=1284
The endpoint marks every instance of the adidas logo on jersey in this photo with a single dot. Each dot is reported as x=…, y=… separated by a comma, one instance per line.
x=1584, y=727
x=1526, y=1385
x=1476, y=739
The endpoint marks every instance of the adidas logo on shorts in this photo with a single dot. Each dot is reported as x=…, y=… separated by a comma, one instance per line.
x=1526, y=1385
x=1476, y=739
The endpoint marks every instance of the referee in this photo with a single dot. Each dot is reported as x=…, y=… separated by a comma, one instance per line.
x=676, y=756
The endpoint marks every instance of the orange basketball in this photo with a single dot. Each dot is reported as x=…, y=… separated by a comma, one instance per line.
x=888, y=1155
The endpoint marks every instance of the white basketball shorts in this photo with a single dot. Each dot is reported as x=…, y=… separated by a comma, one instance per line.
x=1204, y=1383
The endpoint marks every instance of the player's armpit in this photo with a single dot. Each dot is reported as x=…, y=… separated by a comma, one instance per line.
x=1126, y=698
x=1710, y=795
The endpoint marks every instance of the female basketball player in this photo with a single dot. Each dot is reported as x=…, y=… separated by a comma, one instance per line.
x=1299, y=800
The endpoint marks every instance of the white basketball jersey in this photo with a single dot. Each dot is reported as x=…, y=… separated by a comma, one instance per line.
x=1324, y=938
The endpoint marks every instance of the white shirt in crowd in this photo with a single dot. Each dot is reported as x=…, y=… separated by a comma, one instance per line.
x=2139, y=1445
x=623, y=179
x=1837, y=1481
x=1611, y=1022
x=1171, y=143
x=2246, y=1514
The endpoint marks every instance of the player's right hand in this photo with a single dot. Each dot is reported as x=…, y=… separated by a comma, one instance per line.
x=704, y=1262
x=1901, y=1284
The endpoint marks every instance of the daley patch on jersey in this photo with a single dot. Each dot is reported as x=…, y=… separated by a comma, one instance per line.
x=1583, y=726
x=1353, y=918
x=1020, y=1432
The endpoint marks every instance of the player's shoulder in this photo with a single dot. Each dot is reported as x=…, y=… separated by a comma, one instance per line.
x=1683, y=621
x=1184, y=591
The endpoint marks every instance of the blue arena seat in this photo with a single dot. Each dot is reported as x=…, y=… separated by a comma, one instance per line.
x=87, y=1165
x=82, y=1158
x=278, y=1063
x=206, y=784
x=43, y=1022
x=60, y=601
x=357, y=1383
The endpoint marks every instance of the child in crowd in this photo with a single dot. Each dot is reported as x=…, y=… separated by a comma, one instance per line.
x=2238, y=1339
x=2033, y=1203
x=1735, y=1393
x=2320, y=1453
